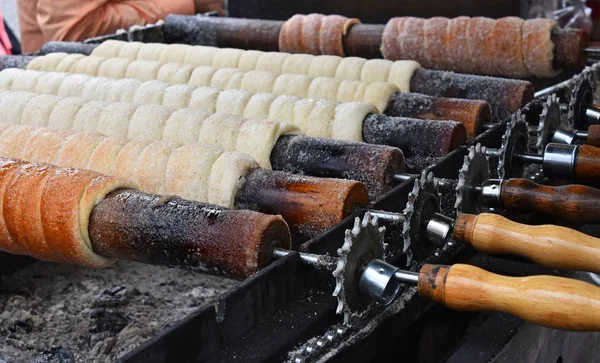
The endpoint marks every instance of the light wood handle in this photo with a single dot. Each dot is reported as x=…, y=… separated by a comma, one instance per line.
x=554, y=302
x=549, y=245
x=575, y=203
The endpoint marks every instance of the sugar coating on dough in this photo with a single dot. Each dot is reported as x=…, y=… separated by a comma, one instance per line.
x=174, y=73
x=64, y=112
x=148, y=122
x=226, y=58
x=538, y=48
x=184, y=126
x=226, y=177
x=258, y=81
x=233, y=101
x=258, y=107
x=348, y=121
x=151, y=168
x=37, y=111
x=324, y=66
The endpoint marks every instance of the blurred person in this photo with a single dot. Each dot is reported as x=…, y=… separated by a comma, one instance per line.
x=42, y=21
x=5, y=43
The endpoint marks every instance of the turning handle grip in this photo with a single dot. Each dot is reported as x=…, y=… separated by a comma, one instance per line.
x=549, y=245
x=587, y=165
x=593, y=137
x=575, y=203
x=554, y=302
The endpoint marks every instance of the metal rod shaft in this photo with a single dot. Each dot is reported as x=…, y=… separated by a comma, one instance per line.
x=581, y=134
x=407, y=277
x=401, y=177
x=536, y=159
x=317, y=261
x=390, y=217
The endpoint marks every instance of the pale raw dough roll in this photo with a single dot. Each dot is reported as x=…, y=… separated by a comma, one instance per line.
x=159, y=167
x=142, y=70
x=272, y=63
x=401, y=74
x=38, y=113
x=226, y=58
x=13, y=141
x=104, y=157
x=64, y=113
x=323, y=87
x=350, y=68
x=149, y=51
x=112, y=48
x=201, y=76
x=122, y=90
x=48, y=62
x=72, y=86
x=226, y=77
x=68, y=64
x=379, y=94
x=295, y=63
x=89, y=65
x=7, y=76
x=233, y=101
x=151, y=167
x=258, y=107
x=177, y=96
x=148, y=122
x=291, y=85
x=151, y=94
x=86, y=119
x=302, y=111
x=174, y=73
x=332, y=66
x=323, y=110
x=221, y=129
x=184, y=126
x=128, y=50
x=324, y=66
x=282, y=108
x=258, y=139
x=26, y=81
x=376, y=70
x=191, y=180
x=226, y=177
x=258, y=81
x=348, y=121
x=95, y=89
x=200, y=56
x=248, y=60
x=49, y=82
x=205, y=98
x=117, y=68
x=175, y=54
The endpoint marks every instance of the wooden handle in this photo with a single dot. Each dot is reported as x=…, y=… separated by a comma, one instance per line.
x=587, y=165
x=552, y=246
x=575, y=203
x=309, y=205
x=554, y=302
x=593, y=138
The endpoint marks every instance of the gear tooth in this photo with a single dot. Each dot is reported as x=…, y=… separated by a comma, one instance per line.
x=375, y=221
x=430, y=177
x=366, y=219
x=356, y=227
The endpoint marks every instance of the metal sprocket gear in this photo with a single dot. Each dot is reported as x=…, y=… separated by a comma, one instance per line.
x=514, y=141
x=423, y=203
x=474, y=171
x=550, y=120
x=362, y=244
x=581, y=97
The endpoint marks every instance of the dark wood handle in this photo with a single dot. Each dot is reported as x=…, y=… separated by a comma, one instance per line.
x=549, y=245
x=575, y=203
x=593, y=138
x=587, y=165
x=555, y=302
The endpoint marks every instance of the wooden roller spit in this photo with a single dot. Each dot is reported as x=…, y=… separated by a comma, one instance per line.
x=366, y=40
x=85, y=218
x=200, y=172
x=406, y=75
x=170, y=231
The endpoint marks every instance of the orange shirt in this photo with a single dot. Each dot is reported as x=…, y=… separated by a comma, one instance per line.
x=74, y=20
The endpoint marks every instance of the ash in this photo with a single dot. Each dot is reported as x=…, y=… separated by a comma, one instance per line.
x=96, y=315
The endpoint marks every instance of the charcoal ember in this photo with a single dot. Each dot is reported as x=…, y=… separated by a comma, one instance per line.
x=108, y=321
x=55, y=355
x=116, y=296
